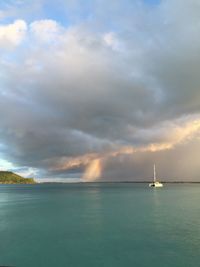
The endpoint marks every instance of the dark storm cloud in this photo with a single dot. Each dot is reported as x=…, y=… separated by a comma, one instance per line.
x=179, y=164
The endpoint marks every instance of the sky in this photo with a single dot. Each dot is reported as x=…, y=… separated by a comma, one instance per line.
x=100, y=90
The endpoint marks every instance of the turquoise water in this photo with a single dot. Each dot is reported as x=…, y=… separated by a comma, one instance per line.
x=94, y=225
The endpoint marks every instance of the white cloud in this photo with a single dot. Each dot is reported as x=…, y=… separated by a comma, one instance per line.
x=111, y=40
x=26, y=172
x=5, y=165
x=11, y=35
x=45, y=30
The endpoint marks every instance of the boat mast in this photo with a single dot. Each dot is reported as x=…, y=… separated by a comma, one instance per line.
x=154, y=173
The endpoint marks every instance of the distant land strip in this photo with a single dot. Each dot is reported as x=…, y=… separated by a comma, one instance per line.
x=119, y=182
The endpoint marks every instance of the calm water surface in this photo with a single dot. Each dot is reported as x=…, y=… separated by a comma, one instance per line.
x=111, y=225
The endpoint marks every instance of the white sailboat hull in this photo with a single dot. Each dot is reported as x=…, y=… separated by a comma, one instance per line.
x=156, y=184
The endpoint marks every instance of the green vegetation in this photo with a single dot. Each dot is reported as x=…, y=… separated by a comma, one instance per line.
x=12, y=178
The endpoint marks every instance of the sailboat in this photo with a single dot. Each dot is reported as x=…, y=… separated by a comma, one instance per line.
x=155, y=183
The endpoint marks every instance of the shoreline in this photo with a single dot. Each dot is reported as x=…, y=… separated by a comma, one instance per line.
x=103, y=182
x=121, y=182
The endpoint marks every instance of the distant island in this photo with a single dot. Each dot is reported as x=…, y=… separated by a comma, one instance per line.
x=7, y=177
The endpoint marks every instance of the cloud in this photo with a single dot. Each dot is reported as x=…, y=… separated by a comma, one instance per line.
x=102, y=89
x=25, y=172
x=169, y=137
x=45, y=30
x=12, y=35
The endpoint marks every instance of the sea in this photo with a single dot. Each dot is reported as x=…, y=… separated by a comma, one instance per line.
x=100, y=225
